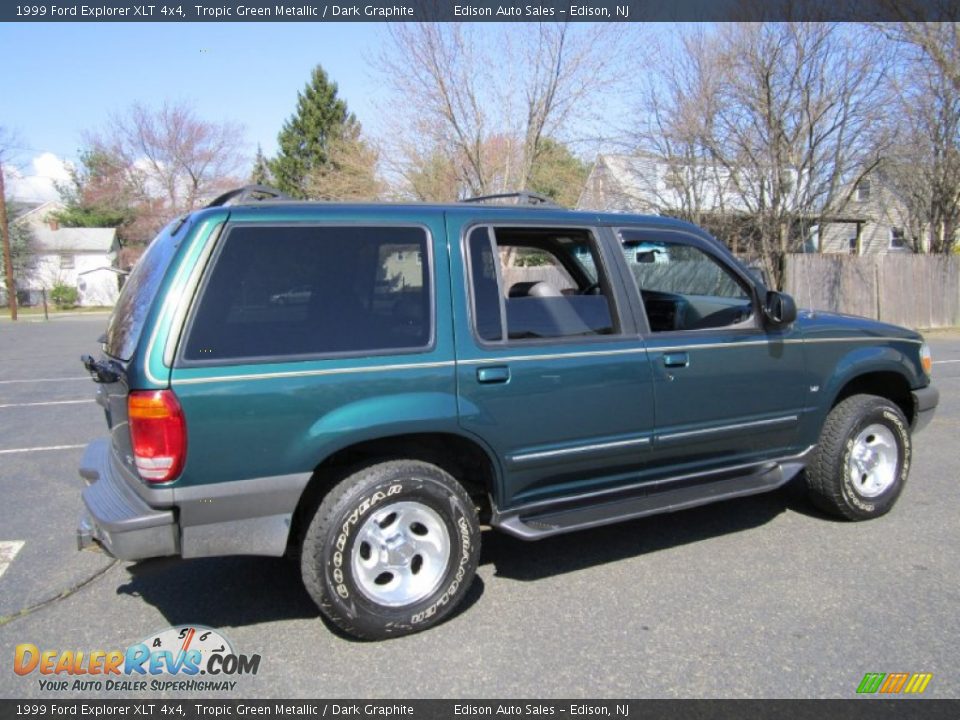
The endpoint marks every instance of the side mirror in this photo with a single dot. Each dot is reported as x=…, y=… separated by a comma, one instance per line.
x=779, y=308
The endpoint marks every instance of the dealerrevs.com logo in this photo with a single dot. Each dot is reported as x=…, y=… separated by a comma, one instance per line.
x=180, y=658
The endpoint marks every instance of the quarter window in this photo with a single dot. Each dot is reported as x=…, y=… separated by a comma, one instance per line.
x=287, y=291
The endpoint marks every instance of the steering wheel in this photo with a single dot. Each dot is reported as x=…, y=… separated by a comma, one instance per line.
x=591, y=289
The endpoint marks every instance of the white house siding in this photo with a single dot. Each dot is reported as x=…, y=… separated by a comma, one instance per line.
x=78, y=257
x=882, y=212
x=95, y=285
x=637, y=183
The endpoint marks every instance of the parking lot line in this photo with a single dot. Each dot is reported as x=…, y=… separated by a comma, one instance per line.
x=52, y=402
x=8, y=551
x=39, y=380
x=38, y=449
x=945, y=362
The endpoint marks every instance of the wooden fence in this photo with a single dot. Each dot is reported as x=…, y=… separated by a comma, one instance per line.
x=919, y=291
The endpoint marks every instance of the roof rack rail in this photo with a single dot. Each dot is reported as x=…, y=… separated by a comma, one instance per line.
x=248, y=192
x=523, y=197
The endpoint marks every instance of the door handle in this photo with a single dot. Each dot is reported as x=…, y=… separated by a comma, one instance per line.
x=676, y=360
x=497, y=374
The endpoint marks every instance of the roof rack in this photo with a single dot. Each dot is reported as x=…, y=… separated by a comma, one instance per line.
x=248, y=192
x=523, y=197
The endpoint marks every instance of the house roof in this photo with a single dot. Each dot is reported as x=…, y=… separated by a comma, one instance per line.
x=63, y=239
x=75, y=239
x=641, y=183
x=638, y=183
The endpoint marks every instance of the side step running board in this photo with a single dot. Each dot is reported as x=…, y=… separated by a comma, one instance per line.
x=567, y=515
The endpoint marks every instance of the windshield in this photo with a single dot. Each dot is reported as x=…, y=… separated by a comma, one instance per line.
x=126, y=323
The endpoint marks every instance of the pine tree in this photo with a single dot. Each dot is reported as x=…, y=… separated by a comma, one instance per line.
x=260, y=174
x=321, y=117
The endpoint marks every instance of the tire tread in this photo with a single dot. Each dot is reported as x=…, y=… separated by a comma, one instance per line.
x=824, y=483
x=312, y=561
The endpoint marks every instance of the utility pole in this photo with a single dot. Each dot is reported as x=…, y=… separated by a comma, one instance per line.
x=7, y=257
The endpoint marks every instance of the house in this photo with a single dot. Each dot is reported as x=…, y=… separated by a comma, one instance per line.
x=873, y=221
x=84, y=258
x=882, y=226
x=646, y=184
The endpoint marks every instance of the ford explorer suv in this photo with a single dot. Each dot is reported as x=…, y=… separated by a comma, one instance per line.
x=360, y=386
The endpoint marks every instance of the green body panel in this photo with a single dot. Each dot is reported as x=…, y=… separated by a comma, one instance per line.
x=741, y=398
x=277, y=418
x=840, y=348
x=573, y=415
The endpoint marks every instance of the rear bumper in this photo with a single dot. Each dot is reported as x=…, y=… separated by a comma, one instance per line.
x=116, y=517
x=925, y=402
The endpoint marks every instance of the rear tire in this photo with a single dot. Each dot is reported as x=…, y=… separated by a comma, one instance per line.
x=391, y=550
x=862, y=461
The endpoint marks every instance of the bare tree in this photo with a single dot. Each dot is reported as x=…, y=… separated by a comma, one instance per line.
x=487, y=98
x=923, y=166
x=772, y=123
x=171, y=160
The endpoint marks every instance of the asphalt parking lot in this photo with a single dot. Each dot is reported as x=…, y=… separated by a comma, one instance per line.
x=758, y=597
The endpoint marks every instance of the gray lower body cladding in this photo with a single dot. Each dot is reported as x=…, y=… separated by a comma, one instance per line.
x=243, y=517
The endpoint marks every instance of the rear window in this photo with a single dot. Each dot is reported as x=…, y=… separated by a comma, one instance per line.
x=300, y=291
x=130, y=313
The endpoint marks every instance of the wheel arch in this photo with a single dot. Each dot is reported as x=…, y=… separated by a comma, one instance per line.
x=462, y=457
x=889, y=384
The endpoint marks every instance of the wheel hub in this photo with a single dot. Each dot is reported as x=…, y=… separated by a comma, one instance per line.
x=872, y=467
x=401, y=553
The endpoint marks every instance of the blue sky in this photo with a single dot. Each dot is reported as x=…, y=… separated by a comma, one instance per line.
x=61, y=79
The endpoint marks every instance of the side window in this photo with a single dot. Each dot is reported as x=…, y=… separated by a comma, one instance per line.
x=684, y=288
x=534, y=284
x=296, y=290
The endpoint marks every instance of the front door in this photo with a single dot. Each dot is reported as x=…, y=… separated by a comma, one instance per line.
x=728, y=389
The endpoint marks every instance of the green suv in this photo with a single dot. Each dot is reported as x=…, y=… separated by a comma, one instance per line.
x=361, y=386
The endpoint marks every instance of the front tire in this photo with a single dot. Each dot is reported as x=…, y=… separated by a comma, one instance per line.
x=391, y=550
x=862, y=461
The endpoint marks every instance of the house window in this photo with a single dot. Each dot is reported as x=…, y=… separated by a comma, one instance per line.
x=674, y=179
x=863, y=190
x=898, y=240
x=67, y=262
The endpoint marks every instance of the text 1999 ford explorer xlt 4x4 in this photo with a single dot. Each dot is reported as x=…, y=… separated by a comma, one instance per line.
x=360, y=385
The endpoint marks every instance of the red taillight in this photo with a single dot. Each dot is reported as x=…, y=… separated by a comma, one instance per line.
x=158, y=433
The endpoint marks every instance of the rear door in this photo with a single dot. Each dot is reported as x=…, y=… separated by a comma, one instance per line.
x=551, y=373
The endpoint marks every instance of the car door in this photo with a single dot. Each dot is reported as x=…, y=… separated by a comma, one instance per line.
x=551, y=373
x=729, y=389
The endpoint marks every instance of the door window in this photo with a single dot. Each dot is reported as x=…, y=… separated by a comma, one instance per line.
x=536, y=284
x=684, y=288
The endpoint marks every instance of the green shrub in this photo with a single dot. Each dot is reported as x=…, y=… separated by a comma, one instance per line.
x=64, y=296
